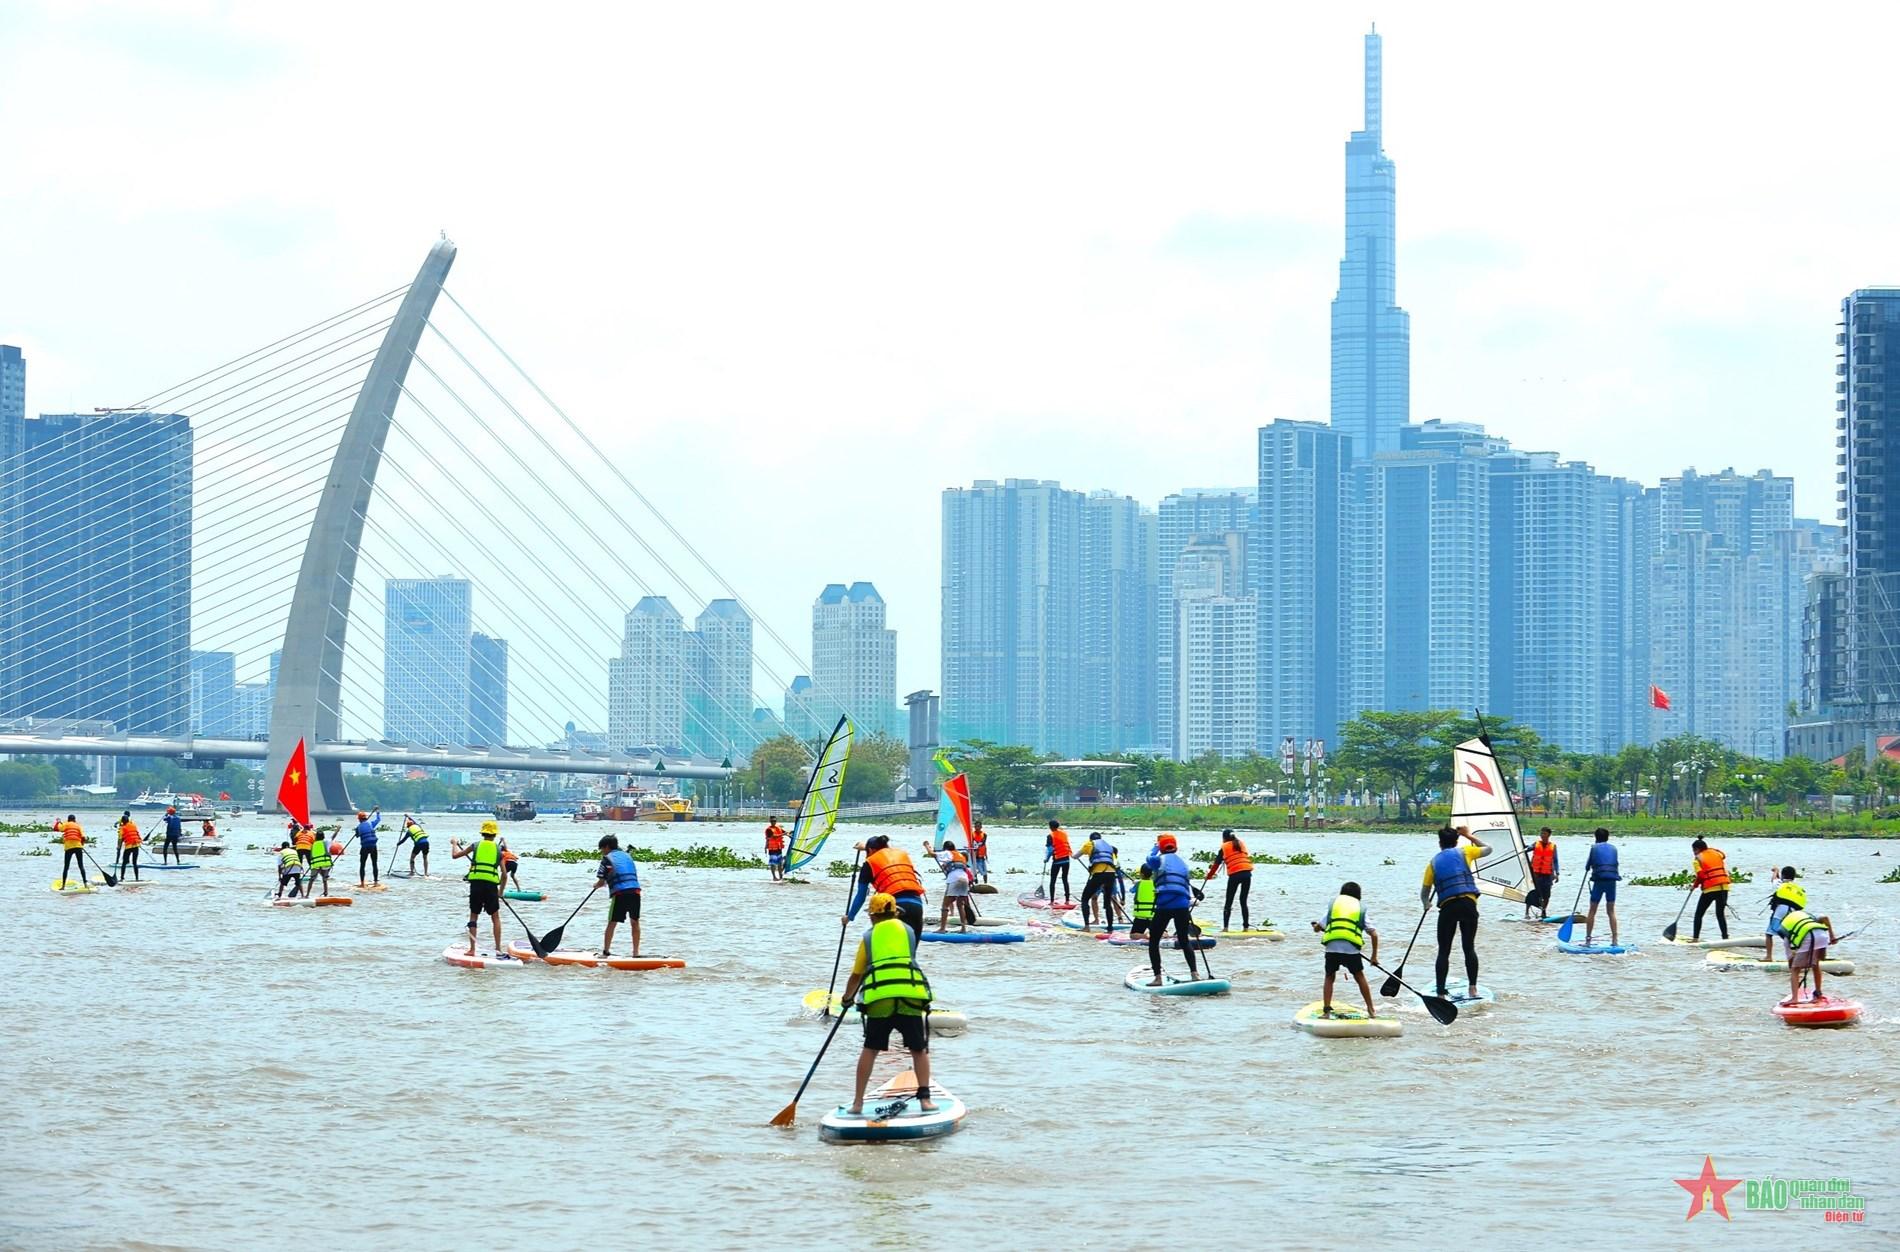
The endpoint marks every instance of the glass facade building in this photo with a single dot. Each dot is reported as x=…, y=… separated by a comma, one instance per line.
x=425, y=660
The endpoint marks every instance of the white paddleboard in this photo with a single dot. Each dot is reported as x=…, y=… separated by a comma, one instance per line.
x=1346, y=1023
x=892, y=1114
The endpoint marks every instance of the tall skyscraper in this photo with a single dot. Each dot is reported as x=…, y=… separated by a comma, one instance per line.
x=1012, y=629
x=96, y=568
x=719, y=688
x=801, y=710
x=853, y=659
x=1372, y=335
x=1182, y=516
x=646, y=683
x=1216, y=655
x=426, y=660
x=213, y=693
x=1118, y=624
x=12, y=542
x=487, y=690
x=1870, y=442
x=1299, y=557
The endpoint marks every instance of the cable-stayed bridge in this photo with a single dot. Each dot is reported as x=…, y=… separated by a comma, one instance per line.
x=397, y=439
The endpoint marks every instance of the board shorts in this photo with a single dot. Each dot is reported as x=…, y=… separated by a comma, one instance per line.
x=881, y=1017
x=484, y=897
x=1812, y=949
x=625, y=906
x=419, y=845
x=1351, y=962
x=1603, y=889
x=775, y=859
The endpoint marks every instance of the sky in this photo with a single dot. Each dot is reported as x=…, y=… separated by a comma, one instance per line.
x=799, y=268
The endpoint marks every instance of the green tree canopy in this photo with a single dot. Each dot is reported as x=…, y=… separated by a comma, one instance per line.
x=27, y=780
x=1405, y=750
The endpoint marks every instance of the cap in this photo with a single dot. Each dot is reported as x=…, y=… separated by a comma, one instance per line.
x=1166, y=843
x=489, y=828
x=361, y=816
x=882, y=903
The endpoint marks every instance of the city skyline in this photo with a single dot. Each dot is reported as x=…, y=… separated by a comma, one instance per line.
x=1195, y=299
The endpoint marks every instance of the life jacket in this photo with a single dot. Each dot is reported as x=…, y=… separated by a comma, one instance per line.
x=1792, y=894
x=622, y=873
x=979, y=845
x=1144, y=899
x=893, y=973
x=129, y=834
x=957, y=858
x=1345, y=921
x=508, y=856
x=1543, y=858
x=1234, y=854
x=366, y=831
x=484, y=862
x=71, y=836
x=1452, y=876
x=1173, y=877
x=774, y=839
x=1059, y=844
x=893, y=874
x=174, y=826
x=320, y=854
x=1711, y=874
x=417, y=834
x=1602, y=862
x=1101, y=852
x=1798, y=925
x=288, y=863
x=210, y=832
x=303, y=839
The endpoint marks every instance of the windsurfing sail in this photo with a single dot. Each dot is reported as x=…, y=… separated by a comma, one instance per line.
x=818, y=811
x=1481, y=801
x=953, y=810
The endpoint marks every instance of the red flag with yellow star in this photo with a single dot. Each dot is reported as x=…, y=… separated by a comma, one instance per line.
x=294, y=792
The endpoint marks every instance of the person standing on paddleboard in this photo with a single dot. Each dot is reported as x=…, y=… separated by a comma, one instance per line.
x=956, y=885
x=302, y=839
x=1789, y=895
x=73, y=841
x=1808, y=938
x=621, y=877
x=509, y=860
x=129, y=840
x=320, y=861
x=418, y=844
x=896, y=996
x=1055, y=854
x=980, y=852
x=173, y=830
x=1601, y=866
x=775, y=849
x=1544, y=874
x=1232, y=856
x=1099, y=855
x=289, y=871
x=1450, y=876
x=888, y=870
x=1712, y=880
x=1144, y=914
x=1174, y=902
x=1343, y=936
x=484, y=883
x=366, y=824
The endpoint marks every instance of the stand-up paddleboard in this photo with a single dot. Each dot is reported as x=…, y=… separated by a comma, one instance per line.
x=588, y=960
x=988, y=921
x=1819, y=1011
x=973, y=936
x=524, y=895
x=375, y=886
x=1543, y=921
x=484, y=958
x=1036, y=900
x=1715, y=945
x=1730, y=959
x=983, y=888
x=1458, y=994
x=75, y=887
x=1595, y=949
x=146, y=869
x=892, y=1113
x=1122, y=939
x=1172, y=985
x=943, y=1020
x=1346, y=1023
x=1258, y=932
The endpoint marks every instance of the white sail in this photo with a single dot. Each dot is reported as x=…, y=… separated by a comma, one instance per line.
x=1481, y=801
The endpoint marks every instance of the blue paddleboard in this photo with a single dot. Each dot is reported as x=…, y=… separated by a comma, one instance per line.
x=1595, y=949
x=973, y=936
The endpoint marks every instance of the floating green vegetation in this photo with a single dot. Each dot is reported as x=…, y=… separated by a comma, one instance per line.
x=1682, y=877
x=1015, y=871
x=21, y=828
x=699, y=856
x=838, y=869
x=37, y=852
x=1298, y=858
x=1893, y=875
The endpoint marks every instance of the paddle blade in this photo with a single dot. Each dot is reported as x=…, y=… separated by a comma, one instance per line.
x=787, y=1115
x=1390, y=987
x=1669, y=932
x=1568, y=929
x=550, y=942
x=1443, y=1010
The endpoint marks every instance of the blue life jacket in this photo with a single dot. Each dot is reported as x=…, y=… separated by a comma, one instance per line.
x=1452, y=876
x=1101, y=853
x=1602, y=862
x=622, y=873
x=366, y=831
x=174, y=826
x=1171, y=879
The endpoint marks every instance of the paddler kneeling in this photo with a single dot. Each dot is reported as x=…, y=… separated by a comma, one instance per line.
x=1344, y=935
x=895, y=994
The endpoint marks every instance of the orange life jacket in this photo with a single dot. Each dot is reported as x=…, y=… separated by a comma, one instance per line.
x=980, y=844
x=1059, y=841
x=774, y=838
x=892, y=872
x=1234, y=853
x=71, y=836
x=1711, y=871
x=1543, y=857
x=508, y=857
x=957, y=858
x=303, y=839
x=211, y=832
x=129, y=834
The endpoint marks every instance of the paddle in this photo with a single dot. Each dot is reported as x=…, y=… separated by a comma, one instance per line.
x=1390, y=987
x=789, y=1113
x=1441, y=1009
x=111, y=880
x=844, y=924
x=1569, y=927
x=541, y=946
x=553, y=938
x=1669, y=931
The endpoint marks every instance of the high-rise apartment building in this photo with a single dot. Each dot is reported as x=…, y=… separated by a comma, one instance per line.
x=1298, y=556
x=719, y=682
x=487, y=690
x=854, y=659
x=1180, y=517
x=213, y=693
x=1371, y=334
x=801, y=710
x=1012, y=629
x=12, y=549
x=96, y=568
x=426, y=660
x=1118, y=624
x=646, y=683
x=1216, y=656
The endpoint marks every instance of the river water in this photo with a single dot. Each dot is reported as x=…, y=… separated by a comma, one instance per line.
x=186, y=1067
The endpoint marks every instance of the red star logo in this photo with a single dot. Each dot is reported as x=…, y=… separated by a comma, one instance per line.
x=1706, y=1187
x=1477, y=779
